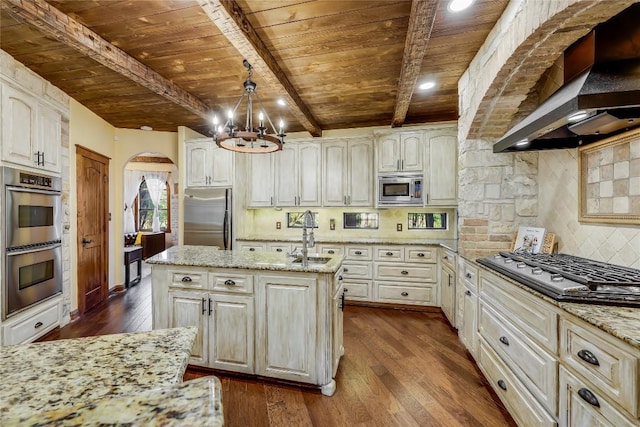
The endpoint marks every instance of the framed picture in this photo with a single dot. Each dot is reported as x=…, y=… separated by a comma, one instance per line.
x=610, y=180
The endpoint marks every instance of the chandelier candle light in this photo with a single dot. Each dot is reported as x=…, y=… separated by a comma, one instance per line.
x=251, y=140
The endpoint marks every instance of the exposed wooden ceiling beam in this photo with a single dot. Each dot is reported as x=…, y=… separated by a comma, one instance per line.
x=421, y=20
x=67, y=30
x=235, y=26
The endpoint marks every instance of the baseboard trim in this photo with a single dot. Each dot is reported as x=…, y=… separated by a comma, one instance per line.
x=74, y=315
x=409, y=307
x=118, y=288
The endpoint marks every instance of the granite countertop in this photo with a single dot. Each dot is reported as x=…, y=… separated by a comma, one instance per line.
x=451, y=244
x=621, y=322
x=56, y=375
x=205, y=256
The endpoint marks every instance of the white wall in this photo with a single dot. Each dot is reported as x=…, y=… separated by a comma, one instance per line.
x=558, y=199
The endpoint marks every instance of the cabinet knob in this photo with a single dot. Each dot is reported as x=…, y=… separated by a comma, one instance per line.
x=340, y=277
x=186, y=279
x=504, y=340
x=331, y=251
x=358, y=252
x=445, y=257
x=389, y=253
x=229, y=282
x=467, y=293
x=420, y=255
x=405, y=294
x=405, y=272
x=37, y=325
x=588, y=396
x=502, y=385
x=588, y=357
x=468, y=275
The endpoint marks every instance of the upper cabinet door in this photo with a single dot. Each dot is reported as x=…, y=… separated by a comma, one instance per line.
x=198, y=169
x=388, y=150
x=361, y=177
x=260, y=180
x=309, y=174
x=334, y=189
x=442, y=180
x=412, y=157
x=49, y=138
x=18, y=127
x=286, y=175
x=222, y=167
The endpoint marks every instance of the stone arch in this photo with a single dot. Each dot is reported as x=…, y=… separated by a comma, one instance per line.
x=528, y=39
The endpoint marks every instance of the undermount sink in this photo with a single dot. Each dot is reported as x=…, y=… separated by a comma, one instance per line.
x=312, y=260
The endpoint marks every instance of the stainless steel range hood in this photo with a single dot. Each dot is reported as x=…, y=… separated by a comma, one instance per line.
x=598, y=103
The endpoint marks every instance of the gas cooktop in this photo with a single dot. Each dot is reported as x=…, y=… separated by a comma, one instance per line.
x=570, y=278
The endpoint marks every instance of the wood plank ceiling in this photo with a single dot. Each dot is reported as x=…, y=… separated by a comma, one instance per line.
x=167, y=63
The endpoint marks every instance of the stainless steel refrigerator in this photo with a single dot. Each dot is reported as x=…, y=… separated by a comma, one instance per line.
x=207, y=217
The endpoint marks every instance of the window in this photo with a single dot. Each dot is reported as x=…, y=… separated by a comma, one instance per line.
x=145, y=208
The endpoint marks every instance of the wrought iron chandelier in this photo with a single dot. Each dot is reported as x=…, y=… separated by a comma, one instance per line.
x=249, y=140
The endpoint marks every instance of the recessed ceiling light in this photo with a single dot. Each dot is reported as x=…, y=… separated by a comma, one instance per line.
x=145, y=127
x=281, y=102
x=427, y=85
x=459, y=5
x=522, y=143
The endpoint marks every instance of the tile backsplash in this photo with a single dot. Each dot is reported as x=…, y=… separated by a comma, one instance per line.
x=558, y=199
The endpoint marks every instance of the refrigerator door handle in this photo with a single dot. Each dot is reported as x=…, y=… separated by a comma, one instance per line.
x=225, y=230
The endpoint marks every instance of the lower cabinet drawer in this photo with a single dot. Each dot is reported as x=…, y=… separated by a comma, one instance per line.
x=32, y=326
x=357, y=290
x=523, y=407
x=390, y=292
x=356, y=270
x=534, y=366
x=581, y=405
x=405, y=272
x=189, y=280
x=240, y=283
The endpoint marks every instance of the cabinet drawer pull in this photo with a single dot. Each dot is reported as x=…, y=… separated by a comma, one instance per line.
x=405, y=272
x=204, y=310
x=279, y=250
x=37, y=325
x=331, y=251
x=445, y=257
x=358, y=252
x=502, y=385
x=588, y=357
x=229, y=282
x=420, y=255
x=345, y=270
x=210, y=307
x=589, y=397
x=339, y=277
x=389, y=253
x=346, y=289
x=252, y=249
x=186, y=279
x=504, y=340
x=468, y=275
x=405, y=294
x=468, y=293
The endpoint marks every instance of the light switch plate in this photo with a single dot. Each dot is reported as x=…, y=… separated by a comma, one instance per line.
x=398, y=227
x=278, y=225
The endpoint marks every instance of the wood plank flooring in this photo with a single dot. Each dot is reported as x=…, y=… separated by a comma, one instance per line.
x=400, y=368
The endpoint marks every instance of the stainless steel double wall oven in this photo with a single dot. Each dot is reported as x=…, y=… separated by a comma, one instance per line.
x=32, y=239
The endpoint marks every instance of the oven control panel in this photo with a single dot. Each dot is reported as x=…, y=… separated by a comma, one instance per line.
x=39, y=180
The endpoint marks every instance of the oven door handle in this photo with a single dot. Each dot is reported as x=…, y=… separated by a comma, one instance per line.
x=33, y=190
x=23, y=251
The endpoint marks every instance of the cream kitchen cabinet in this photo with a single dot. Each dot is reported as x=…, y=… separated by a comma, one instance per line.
x=208, y=165
x=441, y=171
x=260, y=170
x=400, y=152
x=298, y=175
x=32, y=323
x=31, y=131
x=468, y=306
x=448, y=284
x=338, y=321
x=347, y=173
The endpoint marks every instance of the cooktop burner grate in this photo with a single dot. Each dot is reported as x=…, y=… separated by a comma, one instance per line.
x=590, y=273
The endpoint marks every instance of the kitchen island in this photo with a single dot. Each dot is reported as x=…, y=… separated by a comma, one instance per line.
x=262, y=314
x=111, y=379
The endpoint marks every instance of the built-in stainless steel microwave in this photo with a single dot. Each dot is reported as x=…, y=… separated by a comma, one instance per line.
x=400, y=190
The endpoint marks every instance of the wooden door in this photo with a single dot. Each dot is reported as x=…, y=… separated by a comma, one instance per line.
x=93, y=224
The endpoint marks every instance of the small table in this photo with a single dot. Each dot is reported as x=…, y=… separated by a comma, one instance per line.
x=131, y=254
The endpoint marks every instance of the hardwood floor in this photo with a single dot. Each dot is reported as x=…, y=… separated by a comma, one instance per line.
x=400, y=368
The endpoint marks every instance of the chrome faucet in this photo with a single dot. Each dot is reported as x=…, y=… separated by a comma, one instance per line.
x=308, y=241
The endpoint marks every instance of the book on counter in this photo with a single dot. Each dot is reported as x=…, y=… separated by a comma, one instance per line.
x=529, y=240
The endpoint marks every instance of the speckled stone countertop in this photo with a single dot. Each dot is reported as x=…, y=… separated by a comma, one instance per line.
x=451, y=244
x=621, y=322
x=205, y=256
x=192, y=403
x=56, y=375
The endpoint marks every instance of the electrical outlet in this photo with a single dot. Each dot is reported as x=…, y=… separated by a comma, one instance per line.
x=398, y=227
x=332, y=224
x=278, y=225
